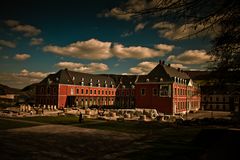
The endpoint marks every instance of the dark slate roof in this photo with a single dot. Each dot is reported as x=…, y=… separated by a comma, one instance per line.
x=199, y=75
x=164, y=73
x=71, y=77
x=123, y=80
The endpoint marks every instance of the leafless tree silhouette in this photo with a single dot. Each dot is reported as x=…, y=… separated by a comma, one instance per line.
x=205, y=16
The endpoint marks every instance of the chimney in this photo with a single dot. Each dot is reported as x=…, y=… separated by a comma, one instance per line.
x=160, y=62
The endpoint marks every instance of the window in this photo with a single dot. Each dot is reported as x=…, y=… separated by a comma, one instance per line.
x=175, y=91
x=98, y=92
x=72, y=91
x=155, y=92
x=54, y=91
x=102, y=92
x=217, y=99
x=109, y=92
x=77, y=91
x=90, y=91
x=95, y=91
x=106, y=92
x=112, y=92
x=205, y=98
x=82, y=91
x=48, y=90
x=42, y=90
x=165, y=90
x=86, y=91
x=143, y=92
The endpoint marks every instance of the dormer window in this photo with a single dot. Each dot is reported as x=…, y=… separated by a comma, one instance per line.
x=82, y=83
x=90, y=84
x=99, y=85
x=147, y=80
x=91, y=80
x=161, y=79
x=82, y=79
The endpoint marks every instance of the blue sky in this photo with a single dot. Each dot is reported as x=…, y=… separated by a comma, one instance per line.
x=41, y=37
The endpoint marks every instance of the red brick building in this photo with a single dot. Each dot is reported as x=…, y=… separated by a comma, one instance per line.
x=165, y=88
x=67, y=89
x=168, y=90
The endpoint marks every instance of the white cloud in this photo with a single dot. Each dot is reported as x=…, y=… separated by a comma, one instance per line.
x=165, y=47
x=118, y=13
x=126, y=11
x=22, y=56
x=21, y=79
x=126, y=34
x=139, y=26
x=9, y=44
x=96, y=50
x=137, y=52
x=90, y=49
x=143, y=68
x=85, y=68
x=174, y=32
x=36, y=41
x=177, y=65
x=11, y=23
x=27, y=30
x=190, y=57
x=35, y=75
x=161, y=26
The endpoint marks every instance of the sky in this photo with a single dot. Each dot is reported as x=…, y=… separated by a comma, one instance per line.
x=38, y=38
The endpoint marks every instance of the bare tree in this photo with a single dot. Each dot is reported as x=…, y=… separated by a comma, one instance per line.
x=219, y=16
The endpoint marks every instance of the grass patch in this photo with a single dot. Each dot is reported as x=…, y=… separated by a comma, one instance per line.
x=9, y=124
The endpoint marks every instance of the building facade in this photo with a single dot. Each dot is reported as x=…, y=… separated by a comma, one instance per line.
x=223, y=98
x=166, y=89
x=73, y=89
